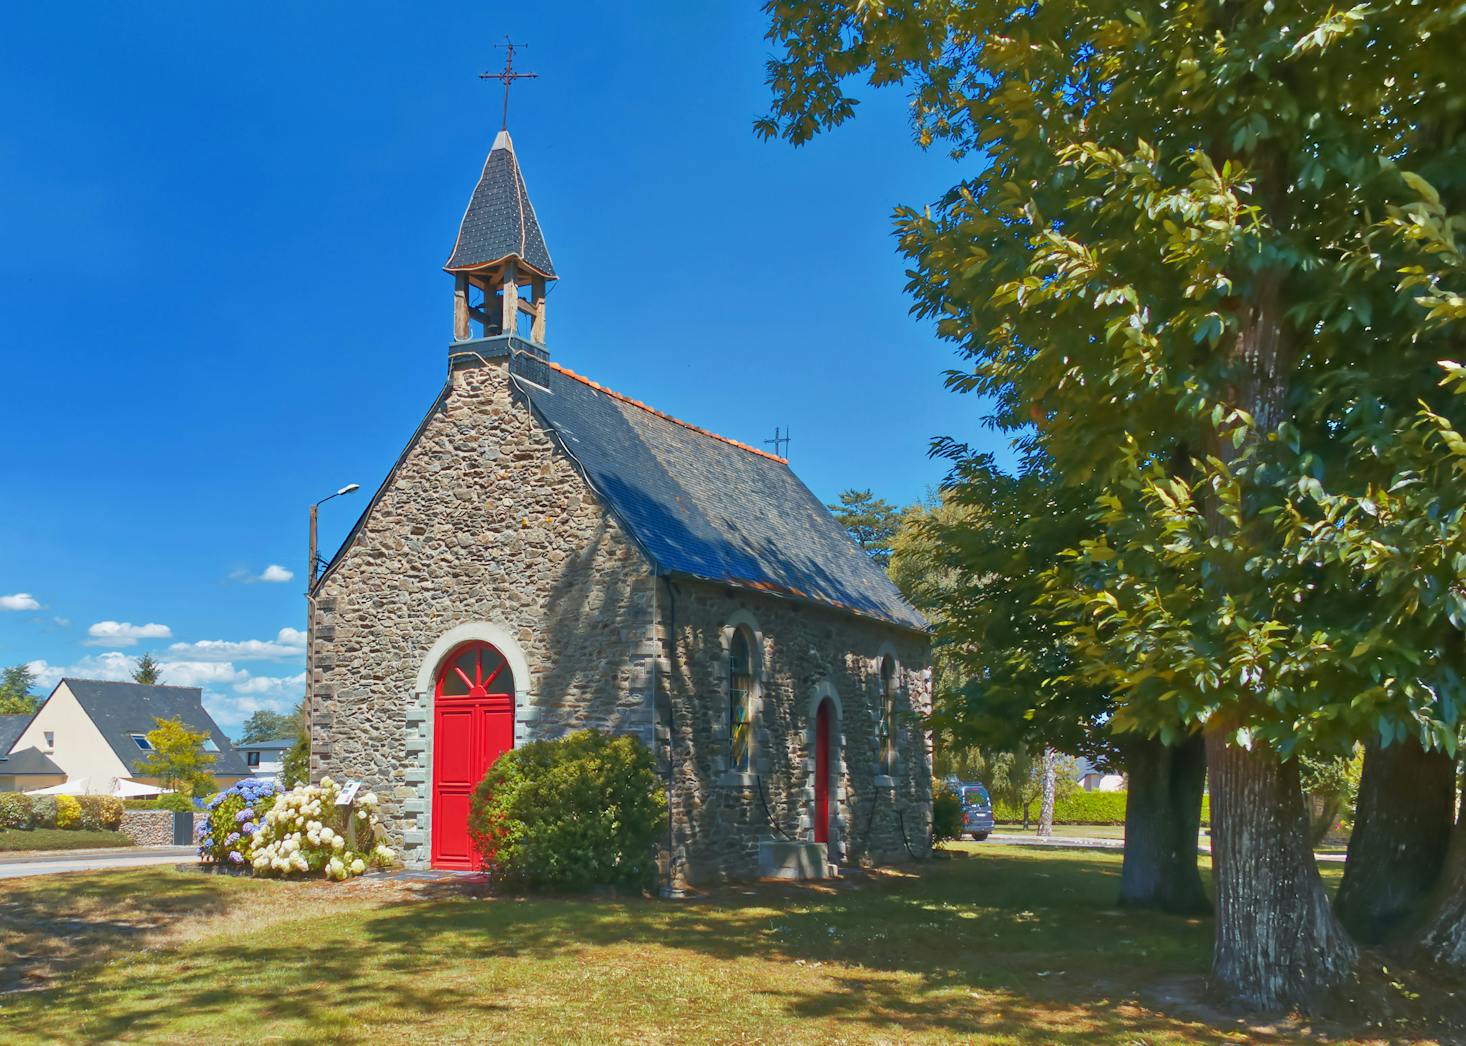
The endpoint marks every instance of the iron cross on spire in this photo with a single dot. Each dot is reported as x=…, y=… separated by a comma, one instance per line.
x=508, y=76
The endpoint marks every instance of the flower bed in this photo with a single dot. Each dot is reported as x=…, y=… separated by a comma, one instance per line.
x=306, y=832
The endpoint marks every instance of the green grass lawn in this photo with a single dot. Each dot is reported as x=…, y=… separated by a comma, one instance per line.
x=992, y=944
x=14, y=839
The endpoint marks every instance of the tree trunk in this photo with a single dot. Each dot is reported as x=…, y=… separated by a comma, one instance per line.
x=1278, y=943
x=1162, y=817
x=1046, y=806
x=1323, y=818
x=1407, y=800
x=1443, y=938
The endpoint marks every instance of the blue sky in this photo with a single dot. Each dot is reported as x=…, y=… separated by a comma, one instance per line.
x=221, y=294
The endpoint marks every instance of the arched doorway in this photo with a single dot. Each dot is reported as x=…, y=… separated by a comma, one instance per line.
x=473, y=724
x=823, y=724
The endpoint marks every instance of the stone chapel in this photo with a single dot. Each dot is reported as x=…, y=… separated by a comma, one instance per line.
x=547, y=555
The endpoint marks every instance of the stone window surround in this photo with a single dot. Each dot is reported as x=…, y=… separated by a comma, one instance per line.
x=888, y=649
x=419, y=727
x=823, y=690
x=741, y=620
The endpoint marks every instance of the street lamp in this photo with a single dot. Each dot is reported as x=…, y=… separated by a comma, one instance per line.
x=312, y=562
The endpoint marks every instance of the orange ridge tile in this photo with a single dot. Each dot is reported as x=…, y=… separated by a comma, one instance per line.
x=666, y=417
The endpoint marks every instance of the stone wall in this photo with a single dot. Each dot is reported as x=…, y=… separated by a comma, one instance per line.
x=151, y=827
x=483, y=524
x=803, y=653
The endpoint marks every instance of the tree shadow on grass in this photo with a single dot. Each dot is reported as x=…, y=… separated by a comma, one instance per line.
x=996, y=945
x=53, y=924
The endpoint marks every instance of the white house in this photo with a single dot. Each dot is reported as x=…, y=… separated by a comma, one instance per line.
x=95, y=731
x=265, y=758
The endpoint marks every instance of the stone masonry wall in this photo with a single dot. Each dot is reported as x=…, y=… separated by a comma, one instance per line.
x=484, y=520
x=718, y=817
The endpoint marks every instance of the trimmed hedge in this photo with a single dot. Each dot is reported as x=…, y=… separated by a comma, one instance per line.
x=15, y=810
x=1082, y=808
x=68, y=811
x=87, y=813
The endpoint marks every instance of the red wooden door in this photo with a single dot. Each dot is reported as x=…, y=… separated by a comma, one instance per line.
x=822, y=773
x=473, y=724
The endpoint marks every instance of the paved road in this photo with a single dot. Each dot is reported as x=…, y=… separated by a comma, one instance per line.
x=1075, y=842
x=12, y=867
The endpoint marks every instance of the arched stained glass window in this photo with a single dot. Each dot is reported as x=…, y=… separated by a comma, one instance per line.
x=740, y=696
x=886, y=723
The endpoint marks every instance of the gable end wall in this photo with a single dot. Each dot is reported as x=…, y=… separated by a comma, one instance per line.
x=484, y=521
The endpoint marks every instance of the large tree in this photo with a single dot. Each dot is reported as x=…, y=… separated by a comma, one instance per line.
x=870, y=521
x=265, y=725
x=15, y=691
x=1193, y=250
x=978, y=565
x=177, y=758
x=148, y=671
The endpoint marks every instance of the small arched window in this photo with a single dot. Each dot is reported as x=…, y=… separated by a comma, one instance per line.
x=740, y=698
x=886, y=724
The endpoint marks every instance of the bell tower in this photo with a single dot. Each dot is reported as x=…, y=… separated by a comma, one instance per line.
x=501, y=267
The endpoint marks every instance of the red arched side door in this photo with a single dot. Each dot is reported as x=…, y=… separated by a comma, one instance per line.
x=822, y=773
x=473, y=724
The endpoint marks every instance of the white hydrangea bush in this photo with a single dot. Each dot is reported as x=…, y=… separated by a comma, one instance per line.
x=306, y=833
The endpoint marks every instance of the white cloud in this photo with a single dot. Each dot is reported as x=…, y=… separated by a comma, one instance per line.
x=288, y=643
x=124, y=633
x=273, y=574
x=19, y=601
x=111, y=665
x=230, y=693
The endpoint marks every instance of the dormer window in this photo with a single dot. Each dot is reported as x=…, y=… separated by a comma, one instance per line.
x=142, y=742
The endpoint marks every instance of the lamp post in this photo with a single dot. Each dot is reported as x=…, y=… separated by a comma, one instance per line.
x=310, y=622
x=310, y=572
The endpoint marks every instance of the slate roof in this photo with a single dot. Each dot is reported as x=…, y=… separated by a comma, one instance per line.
x=500, y=221
x=11, y=727
x=27, y=760
x=707, y=507
x=284, y=744
x=122, y=709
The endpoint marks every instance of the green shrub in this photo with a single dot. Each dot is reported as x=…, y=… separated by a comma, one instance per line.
x=1082, y=808
x=15, y=810
x=946, y=813
x=68, y=812
x=43, y=811
x=569, y=814
x=100, y=813
x=174, y=801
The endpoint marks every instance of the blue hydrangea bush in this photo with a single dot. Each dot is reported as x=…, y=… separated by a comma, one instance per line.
x=230, y=832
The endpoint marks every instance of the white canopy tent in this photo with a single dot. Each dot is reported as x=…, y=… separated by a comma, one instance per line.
x=76, y=786
x=129, y=789
x=122, y=788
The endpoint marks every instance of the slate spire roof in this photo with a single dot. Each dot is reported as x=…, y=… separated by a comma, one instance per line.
x=500, y=222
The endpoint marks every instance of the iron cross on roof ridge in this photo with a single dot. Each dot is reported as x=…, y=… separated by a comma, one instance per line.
x=508, y=76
